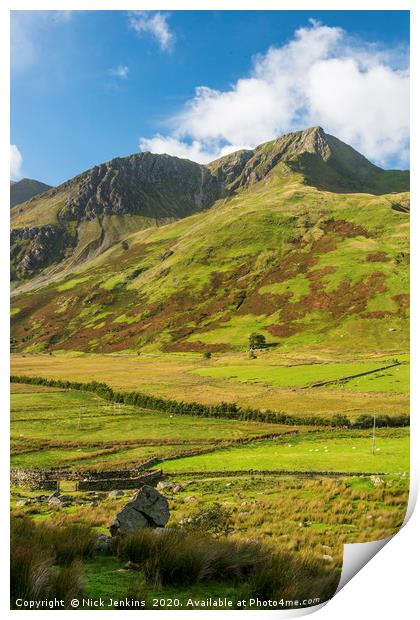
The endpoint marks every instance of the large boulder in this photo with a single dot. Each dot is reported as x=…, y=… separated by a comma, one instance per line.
x=148, y=509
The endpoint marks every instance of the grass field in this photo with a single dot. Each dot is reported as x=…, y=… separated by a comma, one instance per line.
x=305, y=520
x=394, y=379
x=332, y=451
x=261, y=383
x=51, y=428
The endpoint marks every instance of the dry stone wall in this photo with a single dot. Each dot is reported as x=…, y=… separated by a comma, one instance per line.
x=49, y=479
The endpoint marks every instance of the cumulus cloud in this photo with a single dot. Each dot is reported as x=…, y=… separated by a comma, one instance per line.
x=121, y=71
x=16, y=161
x=353, y=88
x=155, y=24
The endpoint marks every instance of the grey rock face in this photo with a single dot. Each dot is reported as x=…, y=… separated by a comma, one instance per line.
x=148, y=509
x=145, y=184
x=33, y=248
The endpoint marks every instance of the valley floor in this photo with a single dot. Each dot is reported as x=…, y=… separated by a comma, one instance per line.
x=272, y=381
x=301, y=491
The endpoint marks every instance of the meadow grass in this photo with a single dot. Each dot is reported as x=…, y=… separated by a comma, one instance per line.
x=341, y=452
x=307, y=374
x=51, y=428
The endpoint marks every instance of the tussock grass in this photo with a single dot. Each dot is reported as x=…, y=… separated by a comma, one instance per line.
x=174, y=557
x=280, y=577
x=45, y=561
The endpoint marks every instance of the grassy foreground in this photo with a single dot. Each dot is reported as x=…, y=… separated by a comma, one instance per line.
x=282, y=534
x=302, y=523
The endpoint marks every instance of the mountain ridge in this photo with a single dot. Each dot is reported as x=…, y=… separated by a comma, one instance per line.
x=25, y=189
x=304, y=266
x=86, y=215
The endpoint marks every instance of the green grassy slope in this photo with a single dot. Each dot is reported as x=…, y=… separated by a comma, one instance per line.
x=303, y=266
x=290, y=250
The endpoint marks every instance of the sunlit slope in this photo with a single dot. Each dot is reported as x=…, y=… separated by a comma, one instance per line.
x=305, y=267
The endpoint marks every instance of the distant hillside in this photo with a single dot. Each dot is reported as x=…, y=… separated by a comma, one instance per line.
x=23, y=190
x=301, y=239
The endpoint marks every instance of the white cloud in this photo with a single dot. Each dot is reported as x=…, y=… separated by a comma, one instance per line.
x=121, y=71
x=155, y=24
x=354, y=89
x=195, y=150
x=26, y=31
x=16, y=161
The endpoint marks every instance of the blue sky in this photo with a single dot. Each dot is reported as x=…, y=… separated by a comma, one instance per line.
x=92, y=85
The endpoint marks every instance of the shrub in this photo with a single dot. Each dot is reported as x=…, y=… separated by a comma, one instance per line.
x=256, y=341
x=69, y=542
x=30, y=563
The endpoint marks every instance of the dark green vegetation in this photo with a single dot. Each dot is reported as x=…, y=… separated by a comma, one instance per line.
x=25, y=189
x=45, y=561
x=283, y=252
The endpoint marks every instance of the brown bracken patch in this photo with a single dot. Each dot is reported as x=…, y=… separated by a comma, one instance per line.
x=403, y=301
x=284, y=330
x=344, y=228
x=377, y=257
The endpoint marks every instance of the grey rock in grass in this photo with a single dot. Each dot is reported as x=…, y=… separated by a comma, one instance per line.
x=22, y=502
x=65, y=499
x=103, y=544
x=147, y=509
x=164, y=486
x=55, y=501
x=115, y=493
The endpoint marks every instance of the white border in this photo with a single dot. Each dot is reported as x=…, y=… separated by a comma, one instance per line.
x=368, y=590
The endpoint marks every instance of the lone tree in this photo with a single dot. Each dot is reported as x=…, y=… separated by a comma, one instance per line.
x=207, y=355
x=256, y=341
